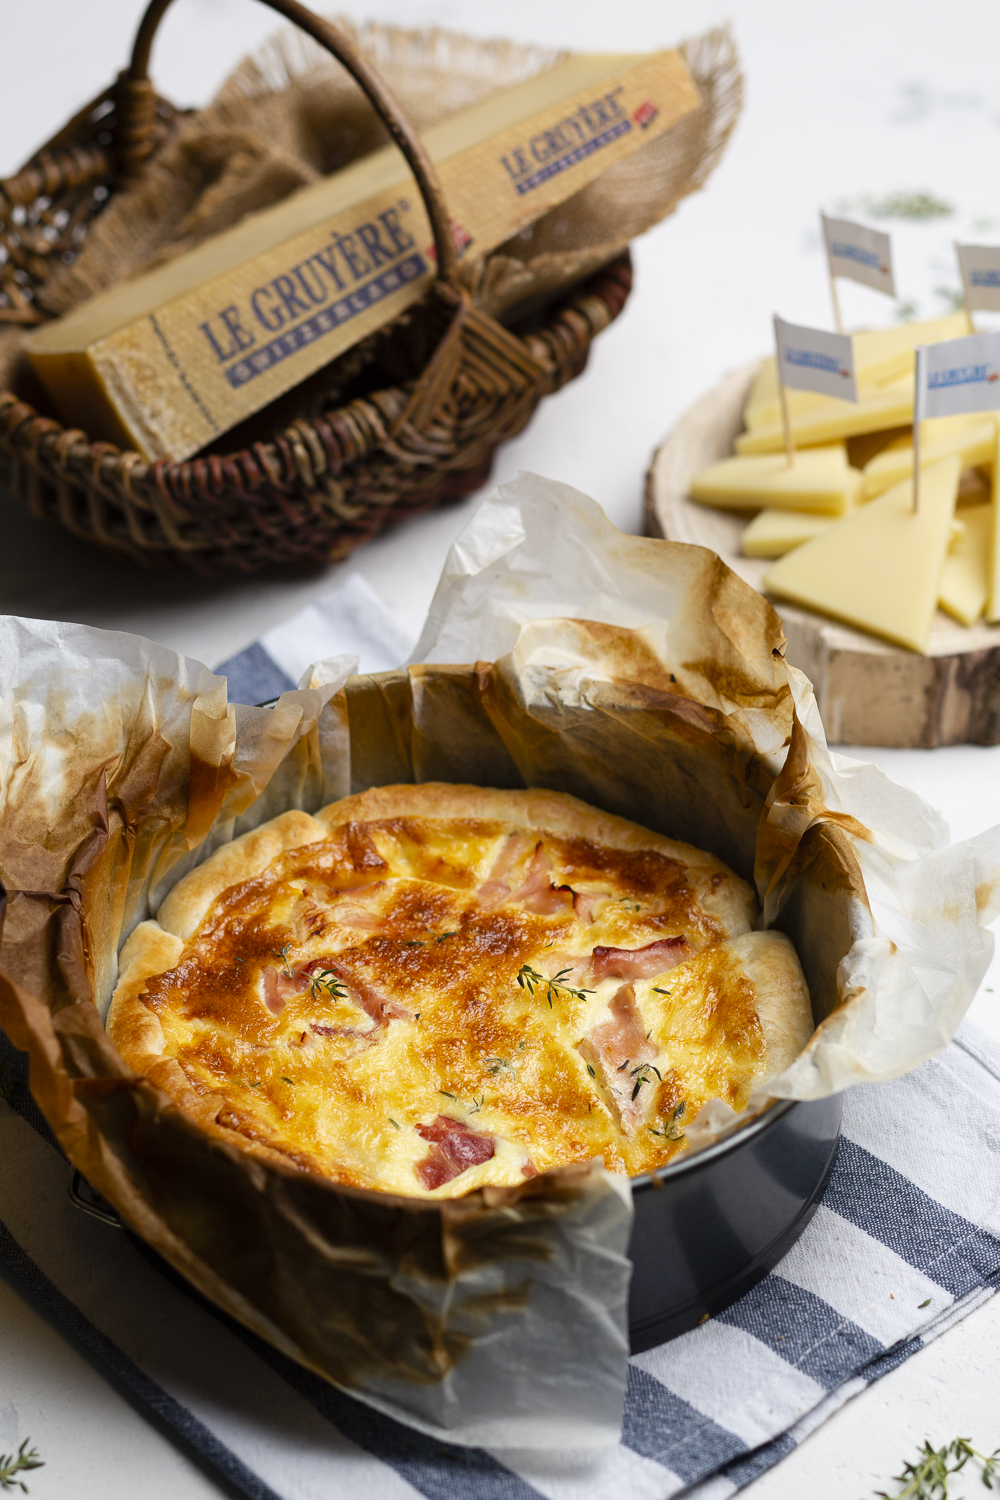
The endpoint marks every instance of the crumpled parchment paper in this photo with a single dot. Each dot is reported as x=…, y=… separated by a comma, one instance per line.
x=640, y=675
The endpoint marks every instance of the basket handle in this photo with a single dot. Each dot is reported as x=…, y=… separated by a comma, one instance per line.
x=135, y=139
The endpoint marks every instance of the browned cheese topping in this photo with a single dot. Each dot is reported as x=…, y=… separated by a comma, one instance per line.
x=425, y=1005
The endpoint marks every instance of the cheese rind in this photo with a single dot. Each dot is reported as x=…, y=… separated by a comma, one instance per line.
x=880, y=568
x=973, y=438
x=775, y=532
x=965, y=575
x=818, y=480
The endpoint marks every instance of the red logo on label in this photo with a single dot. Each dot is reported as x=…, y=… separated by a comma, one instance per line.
x=645, y=114
x=461, y=236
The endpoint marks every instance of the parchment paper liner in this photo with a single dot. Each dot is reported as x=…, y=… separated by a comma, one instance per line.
x=643, y=676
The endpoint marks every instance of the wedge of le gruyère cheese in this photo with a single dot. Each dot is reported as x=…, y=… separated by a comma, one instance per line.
x=971, y=436
x=880, y=567
x=965, y=575
x=993, y=553
x=772, y=533
x=888, y=406
x=817, y=479
x=880, y=355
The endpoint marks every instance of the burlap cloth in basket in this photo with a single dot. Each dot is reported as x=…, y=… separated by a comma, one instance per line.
x=290, y=114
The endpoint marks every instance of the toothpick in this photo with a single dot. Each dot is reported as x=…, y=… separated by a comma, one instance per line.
x=834, y=297
x=786, y=423
x=919, y=385
x=965, y=287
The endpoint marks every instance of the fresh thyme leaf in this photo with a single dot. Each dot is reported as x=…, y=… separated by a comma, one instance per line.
x=671, y=1130
x=641, y=1076
x=21, y=1462
x=240, y=960
x=393, y=1122
x=927, y=1478
x=529, y=979
x=327, y=980
x=283, y=955
x=414, y=943
x=926, y=1302
x=591, y=1071
x=446, y=935
x=623, y=1066
x=288, y=1080
x=447, y=1095
x=477, y=1104
x=629, y=904
x=494, y=1065
x=658, y=990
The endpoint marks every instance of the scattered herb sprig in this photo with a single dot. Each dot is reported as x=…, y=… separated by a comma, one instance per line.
x=641, y=1076
x=283, y=953
x=12, y=1464
x=927, y=1478
x=671, y=1129
x=326, y=980
x=529, y=979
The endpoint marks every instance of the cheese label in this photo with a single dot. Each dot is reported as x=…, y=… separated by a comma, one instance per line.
x=860, y=254
x=179, y=372
x=810, y=359
x=958, y=375
x=980, y=268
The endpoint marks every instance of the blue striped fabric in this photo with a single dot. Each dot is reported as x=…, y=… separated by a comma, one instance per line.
x=906, y=1241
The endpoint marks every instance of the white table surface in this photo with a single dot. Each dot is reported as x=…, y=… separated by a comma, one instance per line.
x=843, y=102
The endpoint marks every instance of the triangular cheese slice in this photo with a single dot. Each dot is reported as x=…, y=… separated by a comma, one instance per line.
x=775, y=532
x=964, y=577
x=880, y=567
x=972, y=437
x=819, y=479
x=880, y=355
x=832, y=421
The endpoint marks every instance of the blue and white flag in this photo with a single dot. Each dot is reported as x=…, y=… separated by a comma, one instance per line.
x=958, y=375
x=810, y=359
x=980, y=268
x=859, y=253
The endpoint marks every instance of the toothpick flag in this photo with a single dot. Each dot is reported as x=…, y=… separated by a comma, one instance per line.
x=980, y=267
x=861, y=255
x=810, y=359
x=958, y=375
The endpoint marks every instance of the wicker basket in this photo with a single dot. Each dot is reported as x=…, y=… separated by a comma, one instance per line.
x=432, y=396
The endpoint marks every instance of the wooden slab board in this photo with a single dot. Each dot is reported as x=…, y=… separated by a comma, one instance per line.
x=869, y=693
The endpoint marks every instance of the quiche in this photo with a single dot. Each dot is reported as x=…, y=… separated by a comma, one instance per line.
x=427, y=989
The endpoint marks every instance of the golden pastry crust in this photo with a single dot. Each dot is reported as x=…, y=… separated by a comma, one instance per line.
x=425, y=989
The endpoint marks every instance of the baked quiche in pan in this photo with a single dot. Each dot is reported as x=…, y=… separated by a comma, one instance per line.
x=427, y=989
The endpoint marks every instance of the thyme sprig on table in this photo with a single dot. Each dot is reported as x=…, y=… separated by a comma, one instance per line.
x=12, y=1464
x=927, y=1478
x=529, y=979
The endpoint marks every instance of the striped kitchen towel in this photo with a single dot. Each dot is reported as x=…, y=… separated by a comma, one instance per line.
x=349, y=620
x=905, y=1242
